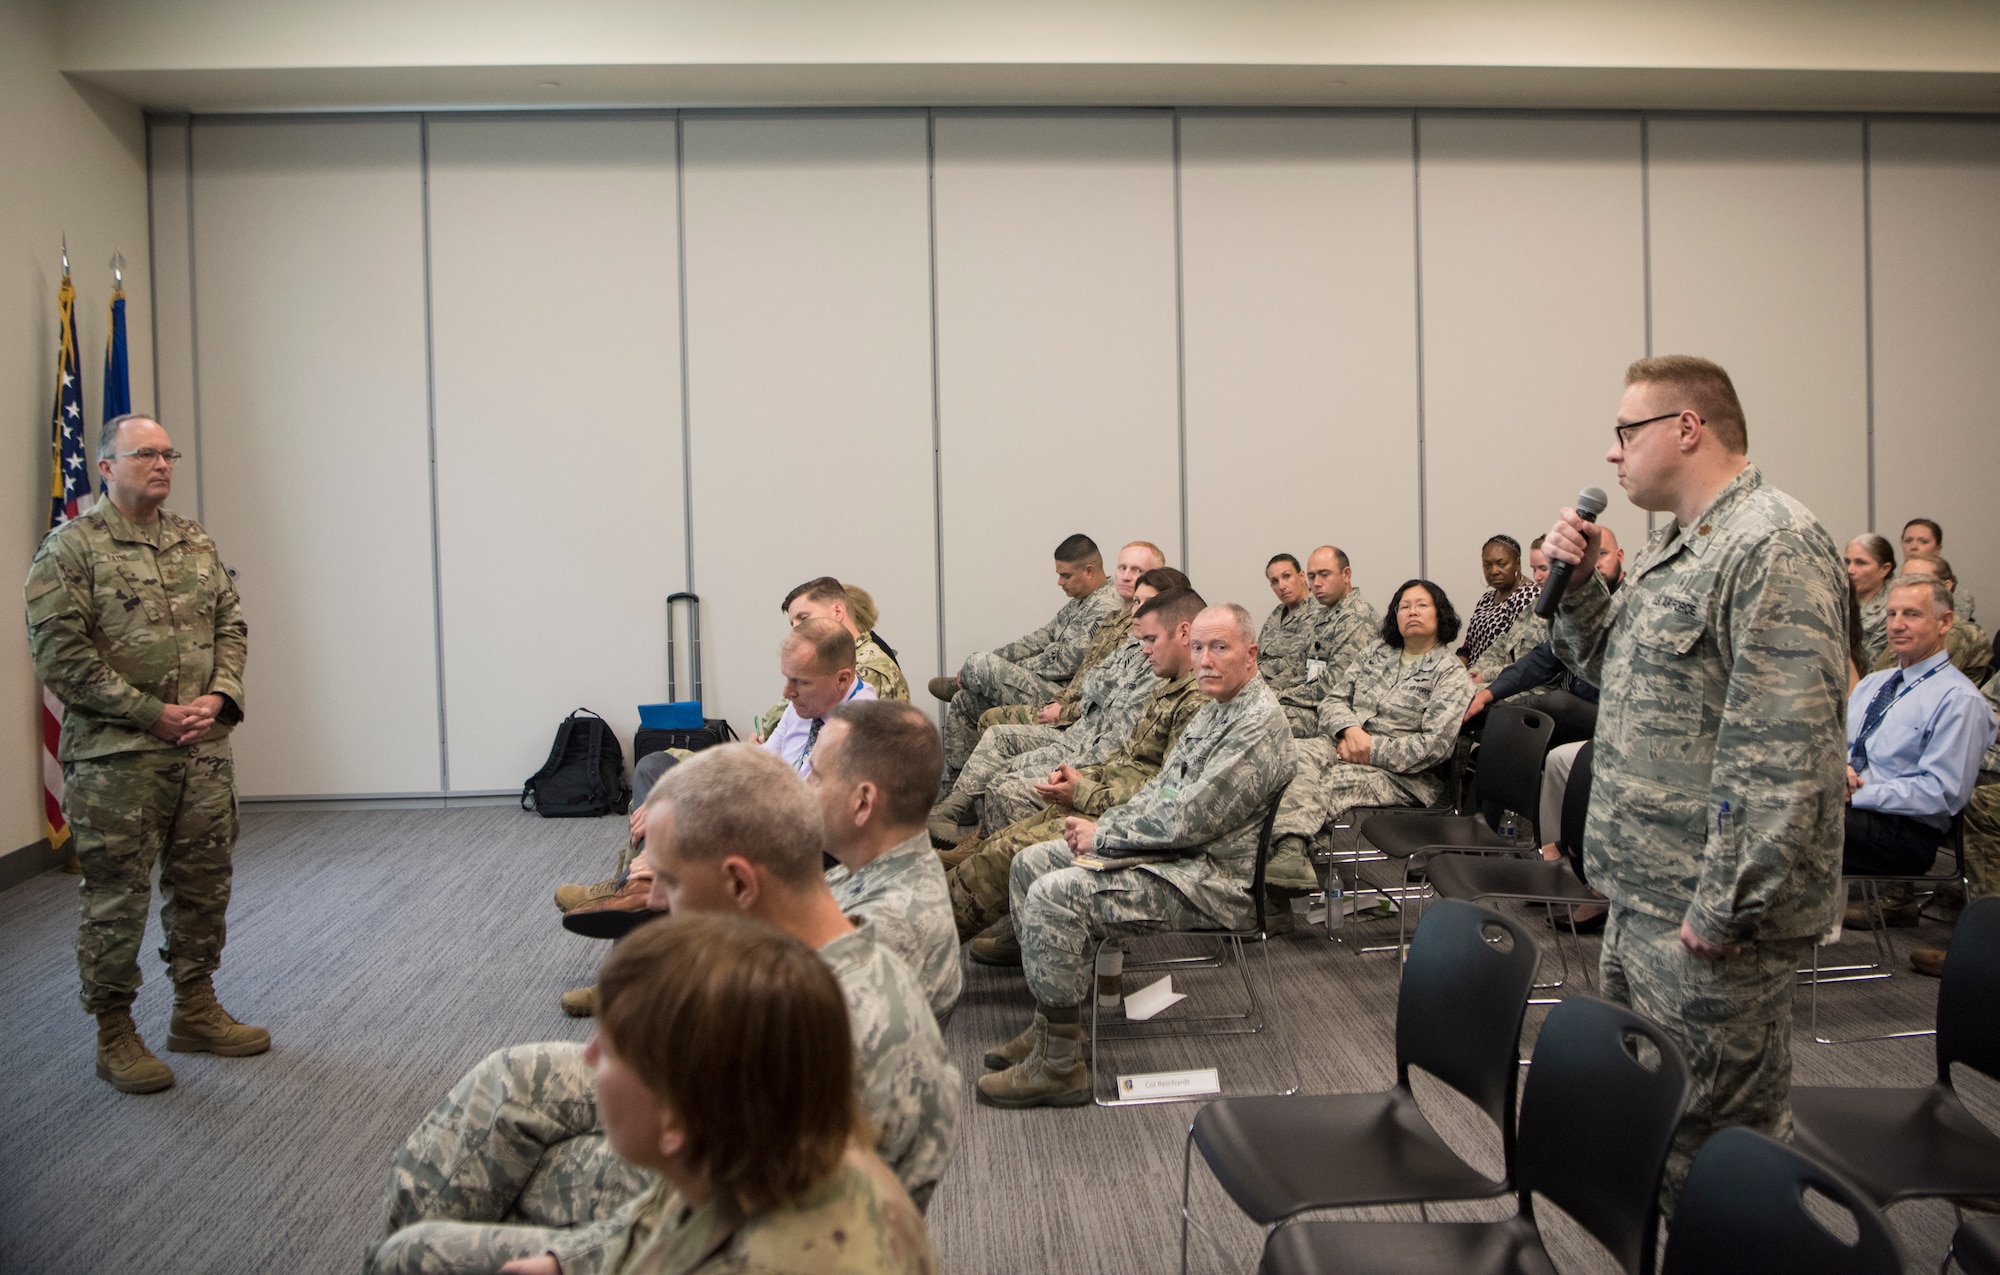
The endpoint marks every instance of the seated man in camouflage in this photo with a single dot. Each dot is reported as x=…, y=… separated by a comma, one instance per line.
x=825, y=598
x=519, y=1139
x=1113, y=694
x=1031, y=669
x=873, y=773
x=979, y=866
x=1384, y=729
x=1195, y=825
x=1343, y=626
x=1112, y=632
x=1982, y=838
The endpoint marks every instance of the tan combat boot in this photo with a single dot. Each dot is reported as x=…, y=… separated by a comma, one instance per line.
x=581, y=1003
x=1054, y=1074
x=944, y=688
x=571, y=897
x=996, y=945
x=201, y=1025
x=124, y=1060
x=1016, y=1050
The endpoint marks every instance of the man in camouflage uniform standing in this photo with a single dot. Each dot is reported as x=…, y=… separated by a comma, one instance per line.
x=1343, y=626
x=978, y=876
x=1717, y=804
x=134, y=625
x=1205, y=808
x=1032, y=668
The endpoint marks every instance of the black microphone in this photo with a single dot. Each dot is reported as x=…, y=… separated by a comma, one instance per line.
x=1590, y=502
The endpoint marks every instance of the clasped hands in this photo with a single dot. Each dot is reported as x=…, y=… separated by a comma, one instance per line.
x=187, y=723
x=1060, y=787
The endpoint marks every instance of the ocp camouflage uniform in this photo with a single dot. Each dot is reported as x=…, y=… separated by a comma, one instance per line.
x=518, y=1139
x=1527, y=632
x=124, y=619
x=1340, y=634
x=1031, y=669
x=1207, y=803
x=1112, y=632
x=978, y=879
x=1718, y=790
x=1971, y=651
x=902, y=892
x=873, y=665
x=1281, y=644
x=1413, y=712
x=1982, y=817
x=1128, y=681
x=1875, y=624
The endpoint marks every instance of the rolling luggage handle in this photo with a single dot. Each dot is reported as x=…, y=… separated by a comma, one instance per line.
x=694, y=644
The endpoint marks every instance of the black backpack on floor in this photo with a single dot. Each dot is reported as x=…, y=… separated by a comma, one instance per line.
x=584, y=775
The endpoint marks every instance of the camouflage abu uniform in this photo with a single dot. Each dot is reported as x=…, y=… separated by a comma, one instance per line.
x=1875, y=625
x=1281, y=644
x=979, y=875
x=1208, y=803
x=1718, y=790
x=1982, y=816
x=872, y=665
x=902, y=893
x=518, y=1139
x=1340, y=634
x=124, y=619
x=1527, y=632
x=1128, y=681
x=857, y=1221
x=1029, y=670
x=1412, y=711
x=1112, y=632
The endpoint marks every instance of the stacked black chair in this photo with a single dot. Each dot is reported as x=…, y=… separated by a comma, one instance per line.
x=1743, y=1212
x=1509, y=777
x=1976, y=1246
x=1458, y=1018
x=1598, y=1113
x=1229, y=944
x=1903, y=1144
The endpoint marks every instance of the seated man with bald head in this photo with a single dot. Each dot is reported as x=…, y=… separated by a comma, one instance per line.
x=1190, y=835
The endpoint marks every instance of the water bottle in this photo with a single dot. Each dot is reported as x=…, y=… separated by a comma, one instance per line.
x=1336, y=901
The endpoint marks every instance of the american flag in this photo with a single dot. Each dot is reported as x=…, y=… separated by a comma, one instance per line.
x=69, y=497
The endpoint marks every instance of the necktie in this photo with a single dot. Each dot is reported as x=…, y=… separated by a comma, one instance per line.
x=1878, y=708
x=812, y=737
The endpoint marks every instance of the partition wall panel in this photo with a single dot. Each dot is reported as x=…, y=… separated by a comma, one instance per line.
x=171, y=397
x=1533, y=303
x=1759, y=262
x=809, y=382
x=556, y=339
x=1935, y=198
x=1057, y=355
x=309, y=319
x=1298, y=256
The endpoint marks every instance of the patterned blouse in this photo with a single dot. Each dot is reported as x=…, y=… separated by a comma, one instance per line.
x=1491, y=618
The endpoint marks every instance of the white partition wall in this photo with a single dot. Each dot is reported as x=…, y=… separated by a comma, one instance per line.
x=561, y=530
x=1758, y=263
x=1057, y=359
x=172, y=396
x=1298, y=246
x=1935, y=187
x=1534, y=302
x=809, y=384
x=309, y=313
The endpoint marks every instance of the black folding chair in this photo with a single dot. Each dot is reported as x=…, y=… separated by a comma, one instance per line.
x=1479, y=875
x=1743, y=1212
x=1229, y=946
x=1509, y=777
x=1903, y=1144
x=1976, y=1246
x=1598, y=1112
x=1458, y=1018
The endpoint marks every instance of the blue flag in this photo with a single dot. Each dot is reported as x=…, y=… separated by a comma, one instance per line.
x=117, y=368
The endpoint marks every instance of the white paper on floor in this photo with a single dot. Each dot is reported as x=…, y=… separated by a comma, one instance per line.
x=1151, y=999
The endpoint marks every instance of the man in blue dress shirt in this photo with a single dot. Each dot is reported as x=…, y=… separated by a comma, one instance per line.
x=1915, y=736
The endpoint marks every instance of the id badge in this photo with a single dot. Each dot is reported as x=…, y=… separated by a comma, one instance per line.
x=1314, y=668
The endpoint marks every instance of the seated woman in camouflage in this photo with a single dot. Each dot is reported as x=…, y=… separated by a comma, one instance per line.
x=723, y=1063
x=1384, y=728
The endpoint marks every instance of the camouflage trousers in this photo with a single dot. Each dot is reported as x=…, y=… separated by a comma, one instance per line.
x=980, y=873
x=176, y=806
x=1000, y=751
x=1982, y=839
x=1062, y=912
x=1732, y=1020
x=1321, y=793
x=987, y=681
x=1012, y=715
x=513, y=1162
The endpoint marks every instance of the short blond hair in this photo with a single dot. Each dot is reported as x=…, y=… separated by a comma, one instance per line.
x=1146, y=544
x=738, y=799
x=1708, y=390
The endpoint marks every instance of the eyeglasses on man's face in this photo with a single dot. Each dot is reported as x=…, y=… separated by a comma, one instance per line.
x=1625, y=432
x=147, y=455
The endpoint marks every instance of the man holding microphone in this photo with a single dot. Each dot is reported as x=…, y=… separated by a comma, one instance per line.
x=1717, y=801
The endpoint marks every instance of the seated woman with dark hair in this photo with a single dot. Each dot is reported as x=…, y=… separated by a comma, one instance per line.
x=724, y=1063
x=1384, y=728
x=1503, y=626
x=1870, y=562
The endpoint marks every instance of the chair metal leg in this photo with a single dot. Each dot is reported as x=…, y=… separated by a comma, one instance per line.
x=1821, y=1038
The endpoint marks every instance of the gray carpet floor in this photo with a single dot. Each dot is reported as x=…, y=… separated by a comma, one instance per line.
x=387, y=951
